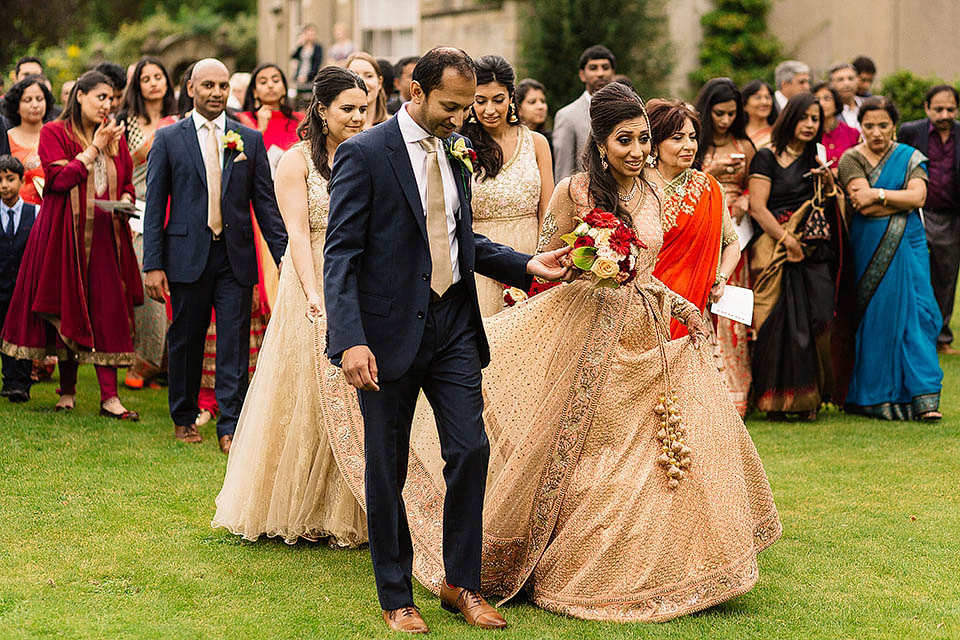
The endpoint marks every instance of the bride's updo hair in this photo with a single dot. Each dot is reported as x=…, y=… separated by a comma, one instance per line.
x=611, y=105
x=329, y=83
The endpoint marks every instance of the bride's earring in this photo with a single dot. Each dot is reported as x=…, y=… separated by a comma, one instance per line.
x=603, y=158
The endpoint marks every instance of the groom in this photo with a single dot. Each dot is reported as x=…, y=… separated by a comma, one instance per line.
x=403, y=316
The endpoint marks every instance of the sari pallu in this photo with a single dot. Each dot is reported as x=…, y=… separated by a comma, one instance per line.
x=693, y=233
x=795, y=354
x=79, y=280
x=896, y=374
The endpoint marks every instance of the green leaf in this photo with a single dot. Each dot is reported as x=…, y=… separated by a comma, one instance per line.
x=569, y=238
x=583, y=257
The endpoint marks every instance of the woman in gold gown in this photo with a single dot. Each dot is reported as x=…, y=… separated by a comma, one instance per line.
x=514, y=179
x=622, y=482
x=282, y=478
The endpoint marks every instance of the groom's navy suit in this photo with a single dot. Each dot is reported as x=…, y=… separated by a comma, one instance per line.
x=377, y=273
x=205, y=272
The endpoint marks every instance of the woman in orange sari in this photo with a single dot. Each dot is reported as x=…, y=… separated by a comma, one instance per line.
x=700, y=247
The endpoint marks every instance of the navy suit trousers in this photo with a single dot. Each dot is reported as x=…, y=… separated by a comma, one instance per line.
x=447, y=368
x=16, y=373
x=217, y=289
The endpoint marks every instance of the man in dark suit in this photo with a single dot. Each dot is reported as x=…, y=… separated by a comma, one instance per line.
x=16, y=220
x=403, y=316
x=938, y=137
x=212, y=170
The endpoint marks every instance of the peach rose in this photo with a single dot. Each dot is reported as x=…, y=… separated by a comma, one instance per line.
x=605, y=269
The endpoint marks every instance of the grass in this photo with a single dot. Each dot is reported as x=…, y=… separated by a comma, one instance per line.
x=104, y=532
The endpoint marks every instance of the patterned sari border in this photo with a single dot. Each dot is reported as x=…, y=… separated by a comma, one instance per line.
x=912, y=410
x=880, y=261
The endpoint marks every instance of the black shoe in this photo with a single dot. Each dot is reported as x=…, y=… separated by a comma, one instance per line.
x=18, y=395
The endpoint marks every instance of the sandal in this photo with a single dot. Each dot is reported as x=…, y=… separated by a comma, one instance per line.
x=65, y=407
x=130, y=416
x=930, y=416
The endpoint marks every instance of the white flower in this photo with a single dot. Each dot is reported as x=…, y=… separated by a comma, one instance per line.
x=582, y=230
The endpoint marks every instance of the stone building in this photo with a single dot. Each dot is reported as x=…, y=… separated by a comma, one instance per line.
x=819, y=32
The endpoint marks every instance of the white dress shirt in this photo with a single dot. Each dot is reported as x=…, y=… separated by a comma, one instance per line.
x=412, y=134
x=220, y=122
x=849, y=114
x=780, y=98
x=5, y=212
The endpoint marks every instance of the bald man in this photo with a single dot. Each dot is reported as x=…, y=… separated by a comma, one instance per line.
x=212, y=170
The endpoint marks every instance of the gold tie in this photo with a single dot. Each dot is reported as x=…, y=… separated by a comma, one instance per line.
x=437, y=235
x=211, y=162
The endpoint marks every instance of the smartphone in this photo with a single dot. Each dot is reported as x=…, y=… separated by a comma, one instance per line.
x=738, y=156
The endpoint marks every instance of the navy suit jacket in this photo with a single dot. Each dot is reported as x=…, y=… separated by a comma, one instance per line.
x=12, y=253
x=175, y=170
x=376, y=270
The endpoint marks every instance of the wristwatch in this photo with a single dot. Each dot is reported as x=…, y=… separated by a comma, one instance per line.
x=883, y=196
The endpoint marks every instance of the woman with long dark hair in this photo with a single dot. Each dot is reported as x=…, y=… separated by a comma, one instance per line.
x=599, y=504
x=79, y=280
x=28, y=105
x=367, y=67
x=725, y=152
x=282, y=478
x=148, y=105
x=531, y=99
x=758, y=106
x=267, y=109
x=794, y=267
x=513, y=178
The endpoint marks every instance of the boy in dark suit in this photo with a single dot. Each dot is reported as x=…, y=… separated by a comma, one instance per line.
x=16, y=220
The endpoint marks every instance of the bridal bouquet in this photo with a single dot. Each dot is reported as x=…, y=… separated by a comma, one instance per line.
x=606, y=248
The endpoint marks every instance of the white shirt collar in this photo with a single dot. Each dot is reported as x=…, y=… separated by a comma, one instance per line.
x=220, y=121
x=586, y=94
x=15, y=210
x=409, y=129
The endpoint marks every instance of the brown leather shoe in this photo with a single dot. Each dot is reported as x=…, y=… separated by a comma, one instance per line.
x=225, y=442
x=472, y=605
x=405, y=619
x=187, y=433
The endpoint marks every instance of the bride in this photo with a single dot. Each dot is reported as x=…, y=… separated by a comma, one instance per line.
x=282, y=478
x=622, y=482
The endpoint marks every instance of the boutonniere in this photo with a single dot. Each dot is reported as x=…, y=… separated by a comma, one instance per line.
x=233, y=141
x=459, y=150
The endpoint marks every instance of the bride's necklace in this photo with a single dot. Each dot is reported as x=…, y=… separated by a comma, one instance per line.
x=629, y=196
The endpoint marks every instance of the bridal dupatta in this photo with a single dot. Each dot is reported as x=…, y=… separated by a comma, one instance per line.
x=897, y=374
x=692, y=240
x=79, y=273
x=579, y=512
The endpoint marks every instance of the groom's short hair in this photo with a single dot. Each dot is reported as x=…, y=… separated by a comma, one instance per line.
x=429, y=70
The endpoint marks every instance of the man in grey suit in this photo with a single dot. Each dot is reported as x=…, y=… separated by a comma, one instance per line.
x=571, y=125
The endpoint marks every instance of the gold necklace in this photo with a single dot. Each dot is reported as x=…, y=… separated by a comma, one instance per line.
x=791, y=152
x=676, y=186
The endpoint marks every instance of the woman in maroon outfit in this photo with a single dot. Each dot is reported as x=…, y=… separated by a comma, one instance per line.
x=79, y=280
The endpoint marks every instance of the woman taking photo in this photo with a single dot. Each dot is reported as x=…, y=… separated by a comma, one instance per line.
x=282, y=478
x=365, y=66
x=700, y=247
x=896, y=374
x=27, y=106
x=726, y=152
x=148, y=105
x=79, y=280
x=513, y=178
x=794, y=266
x=758, y=106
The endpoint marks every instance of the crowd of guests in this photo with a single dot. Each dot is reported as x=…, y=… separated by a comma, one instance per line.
x=798, y=190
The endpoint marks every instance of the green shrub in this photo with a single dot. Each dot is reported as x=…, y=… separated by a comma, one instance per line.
x=907, y=91
x=736, y=43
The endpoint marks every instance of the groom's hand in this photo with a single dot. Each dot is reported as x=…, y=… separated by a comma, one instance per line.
x=360, y=368
x=552, y=265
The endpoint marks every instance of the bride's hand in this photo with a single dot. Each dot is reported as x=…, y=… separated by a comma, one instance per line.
x=314, y=307
x=697, y=327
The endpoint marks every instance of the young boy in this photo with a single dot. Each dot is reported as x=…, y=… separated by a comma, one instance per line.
x=16, y=220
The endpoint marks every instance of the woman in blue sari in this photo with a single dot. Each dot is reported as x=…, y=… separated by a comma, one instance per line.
x=896, y=375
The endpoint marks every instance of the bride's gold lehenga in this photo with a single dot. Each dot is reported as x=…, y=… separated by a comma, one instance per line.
x=282, y=479
x=579, y=510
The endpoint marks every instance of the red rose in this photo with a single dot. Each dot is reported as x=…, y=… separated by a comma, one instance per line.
x=625, y=269
x=621, y=239
x=472, y=154
x=540, y=287
x=584, y=241
x=232, y=145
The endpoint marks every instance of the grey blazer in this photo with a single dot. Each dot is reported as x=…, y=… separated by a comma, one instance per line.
x=571, y=130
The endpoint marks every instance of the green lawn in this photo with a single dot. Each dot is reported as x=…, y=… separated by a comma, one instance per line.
x=104, y=532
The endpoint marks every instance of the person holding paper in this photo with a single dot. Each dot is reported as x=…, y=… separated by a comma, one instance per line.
x=700, y=247
x=794, y=266
x=79, y=281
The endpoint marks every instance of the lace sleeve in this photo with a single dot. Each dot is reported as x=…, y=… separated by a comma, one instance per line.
x=729, y=232
x=680, y=307
x=558, y=218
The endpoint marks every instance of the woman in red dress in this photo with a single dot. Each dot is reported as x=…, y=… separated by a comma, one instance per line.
x=79, y=280
x=267, y=109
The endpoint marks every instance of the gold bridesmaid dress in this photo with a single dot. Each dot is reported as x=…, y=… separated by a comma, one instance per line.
x=505, y=211
x=282, y=478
